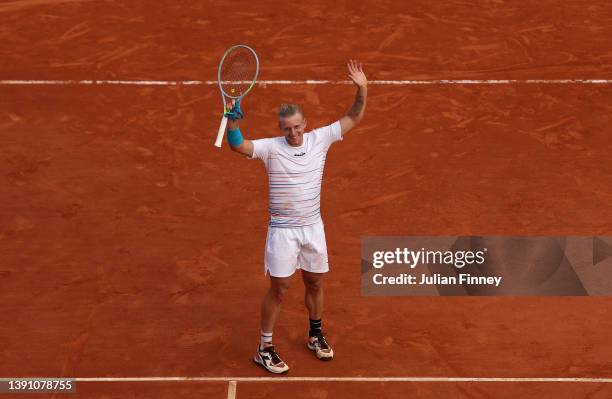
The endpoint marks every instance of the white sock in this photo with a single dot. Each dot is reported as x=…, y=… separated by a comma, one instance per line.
x=265, y=338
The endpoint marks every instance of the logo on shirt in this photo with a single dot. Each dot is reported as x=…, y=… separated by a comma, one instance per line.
x=299, y=154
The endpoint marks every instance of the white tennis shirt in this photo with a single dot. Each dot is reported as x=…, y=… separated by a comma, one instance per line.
x=295, y=175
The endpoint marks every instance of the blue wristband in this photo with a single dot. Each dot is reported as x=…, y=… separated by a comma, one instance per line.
x=234, y=137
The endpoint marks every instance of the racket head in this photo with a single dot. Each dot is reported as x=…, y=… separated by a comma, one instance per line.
x=237, y=72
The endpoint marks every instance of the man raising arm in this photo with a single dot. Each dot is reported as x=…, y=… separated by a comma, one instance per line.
x=296, y=236
x=355, y=113
x=234, y=136
x=347, y=122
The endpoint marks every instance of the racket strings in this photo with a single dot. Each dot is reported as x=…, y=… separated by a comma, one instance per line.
x=238, y=71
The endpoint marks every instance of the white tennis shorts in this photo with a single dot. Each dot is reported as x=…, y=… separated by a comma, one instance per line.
x=291, y=248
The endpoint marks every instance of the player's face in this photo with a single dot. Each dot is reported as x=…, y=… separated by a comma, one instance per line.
x=293, y=128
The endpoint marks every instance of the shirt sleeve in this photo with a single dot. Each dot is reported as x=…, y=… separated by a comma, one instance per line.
x=261, y=149
x=330, y=134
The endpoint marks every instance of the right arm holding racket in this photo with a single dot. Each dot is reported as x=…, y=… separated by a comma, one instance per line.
x=355, y=113
x=234, y=137
x=236, y=76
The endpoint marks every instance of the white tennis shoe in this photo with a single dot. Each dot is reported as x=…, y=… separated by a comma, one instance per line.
x=270, y=360
x=320, y=347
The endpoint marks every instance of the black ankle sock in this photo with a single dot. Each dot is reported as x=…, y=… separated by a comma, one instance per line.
x=315, y=327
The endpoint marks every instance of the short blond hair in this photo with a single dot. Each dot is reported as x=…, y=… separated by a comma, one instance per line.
x=286, y=110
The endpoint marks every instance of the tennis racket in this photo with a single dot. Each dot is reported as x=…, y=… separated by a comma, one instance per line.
x=237, y=75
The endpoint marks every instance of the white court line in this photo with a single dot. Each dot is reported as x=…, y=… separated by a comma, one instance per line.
x=344, y=379
x=231, y=390
x=308, y=82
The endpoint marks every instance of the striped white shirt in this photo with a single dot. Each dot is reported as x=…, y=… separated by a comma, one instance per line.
x=295, y=175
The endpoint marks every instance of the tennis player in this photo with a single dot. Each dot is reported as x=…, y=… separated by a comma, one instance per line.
x=296, y=238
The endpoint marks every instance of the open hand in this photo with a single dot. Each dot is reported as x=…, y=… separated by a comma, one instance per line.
x=356, y=73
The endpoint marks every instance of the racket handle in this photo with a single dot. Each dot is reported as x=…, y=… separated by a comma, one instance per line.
x=221, y=132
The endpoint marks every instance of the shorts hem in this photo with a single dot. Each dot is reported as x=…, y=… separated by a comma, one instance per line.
x=316, y=271
x=279, y=275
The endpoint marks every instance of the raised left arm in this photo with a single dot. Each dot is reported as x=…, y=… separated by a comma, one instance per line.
x=355, y=113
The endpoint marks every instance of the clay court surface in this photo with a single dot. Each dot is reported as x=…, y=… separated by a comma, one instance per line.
x=131, y=247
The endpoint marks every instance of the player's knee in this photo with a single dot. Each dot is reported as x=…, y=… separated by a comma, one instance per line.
x=278, y=292
x=313, y=286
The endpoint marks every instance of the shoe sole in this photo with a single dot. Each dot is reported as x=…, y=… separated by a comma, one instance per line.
x=323, y=358
x=267, y=369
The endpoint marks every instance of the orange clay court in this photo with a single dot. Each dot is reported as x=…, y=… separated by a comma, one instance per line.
x=128, y=251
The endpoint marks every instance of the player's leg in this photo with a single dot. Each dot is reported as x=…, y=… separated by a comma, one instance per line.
x=271, y=304
x=313, y=299
x=270, y=307
x=280, y=262
x=314, y=264
x=313, y=294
